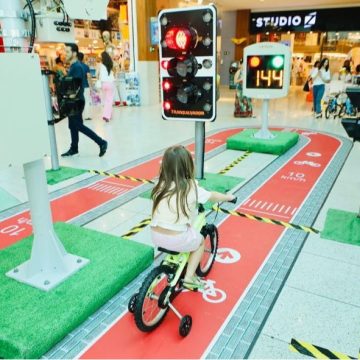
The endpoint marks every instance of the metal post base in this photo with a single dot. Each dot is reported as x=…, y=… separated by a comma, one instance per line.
x=49, y=263
x=264, y=134
x=50, y=278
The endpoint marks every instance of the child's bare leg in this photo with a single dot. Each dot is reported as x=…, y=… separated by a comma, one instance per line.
x=194, y=261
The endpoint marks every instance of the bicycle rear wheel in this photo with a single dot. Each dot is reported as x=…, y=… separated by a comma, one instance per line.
x=211, y=241
x=148, y=314
x=327, y=112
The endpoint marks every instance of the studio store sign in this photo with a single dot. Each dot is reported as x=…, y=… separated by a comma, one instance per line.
x=337, y=19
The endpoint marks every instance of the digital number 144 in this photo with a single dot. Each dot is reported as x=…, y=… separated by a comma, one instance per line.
x=269, y=77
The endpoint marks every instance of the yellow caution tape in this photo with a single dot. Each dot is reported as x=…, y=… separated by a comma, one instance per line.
x=267, y=220
x=235, y=162
x=315, y=351
x=136, y=229
x=122, y=177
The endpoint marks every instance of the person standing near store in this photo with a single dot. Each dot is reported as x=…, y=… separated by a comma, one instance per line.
x=107, y=79
x=320, y=76
x=243, y=106
x=76, y=124
x=86, y=86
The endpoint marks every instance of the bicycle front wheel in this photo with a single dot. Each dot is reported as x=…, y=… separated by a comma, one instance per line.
x=342, y=111
x=148, y=314
x=211, y=241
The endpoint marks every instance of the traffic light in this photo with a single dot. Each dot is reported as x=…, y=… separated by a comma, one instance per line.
x=188, y=63
x=266, y=72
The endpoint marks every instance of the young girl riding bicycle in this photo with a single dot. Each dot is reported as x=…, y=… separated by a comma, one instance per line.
x=175, y=199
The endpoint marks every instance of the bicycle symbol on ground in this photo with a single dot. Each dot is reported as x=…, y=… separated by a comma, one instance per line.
x=210, y=293
x=310, y=163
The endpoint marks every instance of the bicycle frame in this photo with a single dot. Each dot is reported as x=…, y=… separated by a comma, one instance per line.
x=180, y=260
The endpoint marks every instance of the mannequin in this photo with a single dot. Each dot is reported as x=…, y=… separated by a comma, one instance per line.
x=109, y=47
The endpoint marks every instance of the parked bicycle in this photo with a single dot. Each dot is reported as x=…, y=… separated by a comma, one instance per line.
x=339, y=105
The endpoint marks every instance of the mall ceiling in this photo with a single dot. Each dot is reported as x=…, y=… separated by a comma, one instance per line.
x=259, y=5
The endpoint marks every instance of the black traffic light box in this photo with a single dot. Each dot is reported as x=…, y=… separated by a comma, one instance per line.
x=188, y=63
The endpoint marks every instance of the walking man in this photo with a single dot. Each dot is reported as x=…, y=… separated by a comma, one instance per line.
x=76, y=124
x=86, y=113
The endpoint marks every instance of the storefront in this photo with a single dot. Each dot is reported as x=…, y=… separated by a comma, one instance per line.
x=94, y=37
x=312, y=35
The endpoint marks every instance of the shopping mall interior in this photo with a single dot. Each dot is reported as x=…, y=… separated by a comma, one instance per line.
x=259, y=103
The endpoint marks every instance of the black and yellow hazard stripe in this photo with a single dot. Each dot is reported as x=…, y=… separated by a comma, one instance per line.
x=122, y=177
x=137, y=228
x=235, y=162
x=267, y=220
x=315, y=351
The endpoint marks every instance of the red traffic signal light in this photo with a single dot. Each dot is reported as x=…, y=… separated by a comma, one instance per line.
x=180, y=38
x=167, y=105
x=166, y=85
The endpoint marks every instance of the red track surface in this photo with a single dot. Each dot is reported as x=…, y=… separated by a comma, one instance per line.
x=69, y=206
x=279, y=198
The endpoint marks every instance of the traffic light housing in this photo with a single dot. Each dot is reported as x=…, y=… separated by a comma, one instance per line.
x=188, y=63
x=266, y=70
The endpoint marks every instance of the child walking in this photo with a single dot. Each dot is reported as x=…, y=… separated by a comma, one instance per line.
x=175, y=198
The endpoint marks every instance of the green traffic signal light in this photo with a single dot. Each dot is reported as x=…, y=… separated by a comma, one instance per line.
x=277, y=62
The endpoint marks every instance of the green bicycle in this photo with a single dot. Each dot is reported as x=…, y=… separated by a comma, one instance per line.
x=160, y=287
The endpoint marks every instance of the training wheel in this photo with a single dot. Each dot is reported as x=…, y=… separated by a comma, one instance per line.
x=185, y=325
x=132, y=303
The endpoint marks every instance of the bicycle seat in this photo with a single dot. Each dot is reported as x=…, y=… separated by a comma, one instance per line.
x=168, y=251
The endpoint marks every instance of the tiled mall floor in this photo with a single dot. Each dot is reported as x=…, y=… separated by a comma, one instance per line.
x=320, y=300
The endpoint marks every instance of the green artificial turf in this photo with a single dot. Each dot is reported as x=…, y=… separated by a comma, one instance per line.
x=33, y=321
x=211, y=182
x=342, y=226
x=246, y=141
x=64, y=173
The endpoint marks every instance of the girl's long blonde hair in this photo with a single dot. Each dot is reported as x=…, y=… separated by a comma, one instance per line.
x=177, y=167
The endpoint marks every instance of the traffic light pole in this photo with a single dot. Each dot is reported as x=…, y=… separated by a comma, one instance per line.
x=199, y=149
x=53, y=146
x=264, y=132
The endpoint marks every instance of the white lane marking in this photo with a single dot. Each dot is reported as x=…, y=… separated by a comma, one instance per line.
x=252, y=203
x=258, y=204
x=251, y=211
x=263, y=205
x=120, y=185
x=287, y=210
x=269, y=206
x=293, y=212
x=246, y=201
x=108, y=189
x=275, y=207
x=280, y=210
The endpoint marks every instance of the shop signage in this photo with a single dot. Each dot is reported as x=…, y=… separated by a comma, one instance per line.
x=337, y=19
x=307, y=21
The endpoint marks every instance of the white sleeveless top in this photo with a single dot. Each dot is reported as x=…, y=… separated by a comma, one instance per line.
x=165, y=214
x=104, y=75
